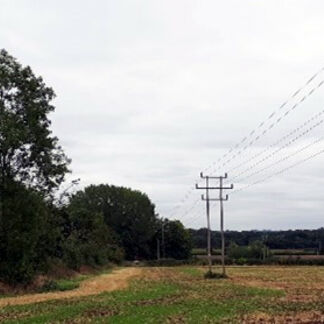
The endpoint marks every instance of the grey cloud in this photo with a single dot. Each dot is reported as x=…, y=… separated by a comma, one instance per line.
x=150, y=93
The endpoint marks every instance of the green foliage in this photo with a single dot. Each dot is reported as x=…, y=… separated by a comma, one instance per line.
x=308, y=240
x=256, y=250
x=129, y=213
x=21, y=234
x=63, y=284
x=28, y=152
x=203, y=251
x=89, y=240
x=178, y=243
x=49, y=285
x=32, y=165
x=167, y=262
x=241, y=261
x=294, y=251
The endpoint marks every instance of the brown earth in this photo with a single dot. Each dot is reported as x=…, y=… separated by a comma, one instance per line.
x=116, y=280
x=297, y=318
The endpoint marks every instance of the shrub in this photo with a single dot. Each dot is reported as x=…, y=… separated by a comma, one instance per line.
x=22, y=248
x=49, y=285
x=241, y=261
x=214, y=275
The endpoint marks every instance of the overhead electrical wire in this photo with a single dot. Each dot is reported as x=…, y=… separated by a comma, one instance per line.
x=267, y=157
x=283, y=159
x=278, y=142
x=265, y=131
x=275, y=152
x=293, y=96
x=279, y=172
x=194, y=218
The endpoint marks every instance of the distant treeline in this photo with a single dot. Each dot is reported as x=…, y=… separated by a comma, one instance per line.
x=289, y=239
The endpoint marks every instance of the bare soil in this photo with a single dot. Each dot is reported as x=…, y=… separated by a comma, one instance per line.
x=300, y=318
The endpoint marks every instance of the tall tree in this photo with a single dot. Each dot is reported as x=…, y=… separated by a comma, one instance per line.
x=32, y=165
x=129, y=213
x=177, y=240
x=29, y=153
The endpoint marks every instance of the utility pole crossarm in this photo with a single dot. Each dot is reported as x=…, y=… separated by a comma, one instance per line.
x=216, y=188
x=214, y=199
x=212, y=177
x=221, y=199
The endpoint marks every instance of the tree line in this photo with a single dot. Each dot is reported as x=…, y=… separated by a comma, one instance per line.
x=95, y=226
x=284, y=239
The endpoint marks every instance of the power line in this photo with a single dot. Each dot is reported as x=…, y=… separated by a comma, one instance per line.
x=279, y=141
x=266, y=130
x=284, y=158
x=267, y=157
x=271, y=116
x=280, y=171
x=194, y=218
x=206, y=198
x=272, y=154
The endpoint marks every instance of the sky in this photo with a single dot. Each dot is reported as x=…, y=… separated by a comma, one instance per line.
x=150, y=93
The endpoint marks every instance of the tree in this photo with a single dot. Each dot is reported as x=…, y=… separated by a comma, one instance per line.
x=88, y=239
x=32, y=165
x=22, y=235
x=29, y=153
x=129, y=213
x=178, y=242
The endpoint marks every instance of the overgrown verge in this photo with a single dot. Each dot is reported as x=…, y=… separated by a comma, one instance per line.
x=59, y=278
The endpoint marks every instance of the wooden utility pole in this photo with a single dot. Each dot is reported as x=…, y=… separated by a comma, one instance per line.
x=221, y=199
x=208, y=218
x=163, y=240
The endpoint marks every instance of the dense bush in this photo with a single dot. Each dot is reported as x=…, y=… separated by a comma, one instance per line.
x=178, y=242
x=32, y=166
x=21, y=234
x=89, y=240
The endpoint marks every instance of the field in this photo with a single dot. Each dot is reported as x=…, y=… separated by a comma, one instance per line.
x=181, y=295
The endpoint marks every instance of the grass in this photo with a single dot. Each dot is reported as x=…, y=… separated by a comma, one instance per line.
x=63, y=284
x=70, y=283
x=182, y=295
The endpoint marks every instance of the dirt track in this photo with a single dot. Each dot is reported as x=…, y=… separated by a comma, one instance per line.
x=116, y=280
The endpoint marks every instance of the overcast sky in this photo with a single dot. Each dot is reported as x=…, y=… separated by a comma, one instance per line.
x=150, y=93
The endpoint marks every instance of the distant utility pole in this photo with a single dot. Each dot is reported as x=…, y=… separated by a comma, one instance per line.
x=157, y=249
x=221, y=199
x=163, y=240
x=160, y=245
x=207, y=188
